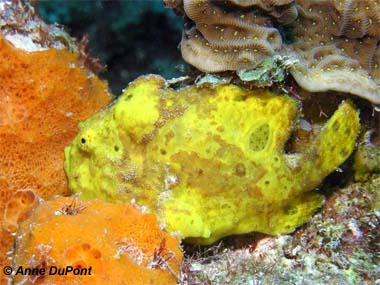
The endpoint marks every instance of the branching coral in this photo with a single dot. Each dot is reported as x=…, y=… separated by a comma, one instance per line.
x=209, y=161
x=43, y=95
x=336, y=43
x=134, y=251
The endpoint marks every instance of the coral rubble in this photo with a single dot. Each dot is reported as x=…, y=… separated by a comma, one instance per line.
x=65, y=232
x=334, y=44
x=209, y=161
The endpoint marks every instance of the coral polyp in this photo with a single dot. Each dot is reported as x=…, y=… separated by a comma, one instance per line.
x=209, y=161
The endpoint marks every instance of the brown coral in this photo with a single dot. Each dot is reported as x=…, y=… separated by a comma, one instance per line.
x=335, y=44
x=218, y=39
x=337, y=47
x=43, y=96
x=134, y=251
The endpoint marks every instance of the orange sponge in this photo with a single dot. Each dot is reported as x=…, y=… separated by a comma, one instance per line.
x=18, y=208
x=107, y=243
x=43, y=96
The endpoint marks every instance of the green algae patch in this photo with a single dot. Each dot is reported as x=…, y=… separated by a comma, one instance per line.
x=209, y=161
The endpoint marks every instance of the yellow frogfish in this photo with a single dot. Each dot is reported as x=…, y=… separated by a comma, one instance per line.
x=209, y=161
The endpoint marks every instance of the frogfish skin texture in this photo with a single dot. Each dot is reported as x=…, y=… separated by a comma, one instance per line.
x=208, y=161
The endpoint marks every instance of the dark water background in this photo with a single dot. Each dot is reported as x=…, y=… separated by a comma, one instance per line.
x=132, y=38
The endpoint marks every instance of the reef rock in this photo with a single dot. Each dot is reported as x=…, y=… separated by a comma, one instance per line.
x=209, y=161
x=334, y=44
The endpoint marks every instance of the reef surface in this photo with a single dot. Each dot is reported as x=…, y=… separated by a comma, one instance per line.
x=205, y=157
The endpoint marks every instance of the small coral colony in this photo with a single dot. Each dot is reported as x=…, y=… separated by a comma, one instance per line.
x=116, y=187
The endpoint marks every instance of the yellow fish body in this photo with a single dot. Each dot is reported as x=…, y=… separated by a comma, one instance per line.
x=209, y=161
